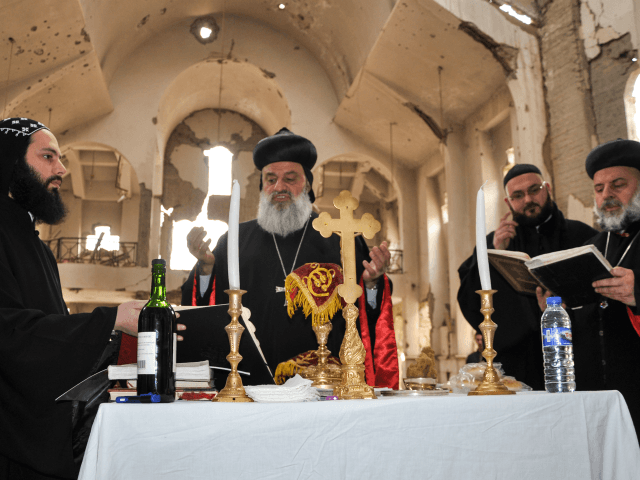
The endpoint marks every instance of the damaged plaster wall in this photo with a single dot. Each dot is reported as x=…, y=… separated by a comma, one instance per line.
x=587, y=48
x=569, y=103
x=606, y=20
x=610, y=40
x=609, y=73
x=186, y=168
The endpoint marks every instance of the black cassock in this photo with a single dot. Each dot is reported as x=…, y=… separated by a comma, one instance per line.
x=518, y=339
x=281, y=338
x=606, y=346
x=44, y=351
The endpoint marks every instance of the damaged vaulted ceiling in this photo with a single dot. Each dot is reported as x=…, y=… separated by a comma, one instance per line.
x=454, y=70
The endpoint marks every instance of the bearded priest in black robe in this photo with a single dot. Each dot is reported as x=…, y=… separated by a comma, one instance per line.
x=606, y=335
x=44, y=351
x=537, y=227
x=278, y=242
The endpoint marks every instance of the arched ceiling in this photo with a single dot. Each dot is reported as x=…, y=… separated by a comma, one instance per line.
x=57, y=58
x=248, y=91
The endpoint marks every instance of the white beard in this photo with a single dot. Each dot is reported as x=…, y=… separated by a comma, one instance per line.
x=286, y=221
x=614, y=222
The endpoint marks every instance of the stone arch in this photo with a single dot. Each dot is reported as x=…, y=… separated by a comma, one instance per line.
x=70, y=152
x=101, y=187
x=246, y=89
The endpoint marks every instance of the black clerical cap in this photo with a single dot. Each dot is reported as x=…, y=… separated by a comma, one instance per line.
x=15, y=135
x=520, y=169
x=286, y=146
x=617, y=153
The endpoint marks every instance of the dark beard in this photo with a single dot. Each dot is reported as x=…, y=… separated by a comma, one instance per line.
x=525, y=221
x=32, y=194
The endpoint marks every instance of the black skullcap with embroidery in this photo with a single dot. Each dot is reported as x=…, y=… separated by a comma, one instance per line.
x=15, y=135
x=617, y=153
x=520, y=169
x=286, y=146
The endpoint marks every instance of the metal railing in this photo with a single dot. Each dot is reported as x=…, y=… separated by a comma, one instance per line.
x=74, y=250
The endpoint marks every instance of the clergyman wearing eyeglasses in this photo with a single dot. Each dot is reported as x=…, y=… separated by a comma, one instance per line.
x=533, y=225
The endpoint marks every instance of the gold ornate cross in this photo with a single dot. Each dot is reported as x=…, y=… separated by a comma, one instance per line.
x=352, y=352
x=347, y=227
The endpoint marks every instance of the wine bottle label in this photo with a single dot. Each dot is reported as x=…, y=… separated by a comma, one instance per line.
x=556, y=336
x=147, y=353
x=175, y=349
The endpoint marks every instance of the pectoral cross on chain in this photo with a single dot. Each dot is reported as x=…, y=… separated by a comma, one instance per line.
x=347, y=227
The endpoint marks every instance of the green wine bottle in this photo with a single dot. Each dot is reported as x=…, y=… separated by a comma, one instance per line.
x=157, y=336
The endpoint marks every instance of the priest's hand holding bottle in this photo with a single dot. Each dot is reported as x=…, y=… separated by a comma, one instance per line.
x=199, y=248
x=127, y=318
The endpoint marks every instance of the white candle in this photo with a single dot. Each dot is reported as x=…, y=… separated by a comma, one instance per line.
x=481, y=242
x=233, y=255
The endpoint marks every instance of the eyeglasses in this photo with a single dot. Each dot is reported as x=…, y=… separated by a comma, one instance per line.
x=532, y=191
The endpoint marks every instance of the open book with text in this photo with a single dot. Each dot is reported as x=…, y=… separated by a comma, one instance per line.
x=567, y=273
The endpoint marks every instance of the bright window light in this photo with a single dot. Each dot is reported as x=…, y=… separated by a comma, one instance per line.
x=219, y=184
x=219, y=170
x=205, y=32
x=109, y=242
x=523, y=18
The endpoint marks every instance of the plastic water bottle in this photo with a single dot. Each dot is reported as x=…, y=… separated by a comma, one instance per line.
x=557, y=348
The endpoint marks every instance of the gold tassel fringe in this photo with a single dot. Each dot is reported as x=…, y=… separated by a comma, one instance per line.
x=321, y=315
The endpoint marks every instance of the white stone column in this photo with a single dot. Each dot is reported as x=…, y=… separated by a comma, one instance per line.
x=529, y=124
x=460, y=235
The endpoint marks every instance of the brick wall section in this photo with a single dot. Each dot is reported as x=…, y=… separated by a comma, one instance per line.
x=568, y=96
x=609, y=73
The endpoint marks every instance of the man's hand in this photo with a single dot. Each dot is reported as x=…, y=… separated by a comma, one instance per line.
x=200, y=249
x=380, y=260
x=620, y=287
x=542, y=296
x=504, y=233
x=127, y=318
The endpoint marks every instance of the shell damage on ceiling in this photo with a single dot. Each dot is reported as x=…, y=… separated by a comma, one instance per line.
x=412, y=64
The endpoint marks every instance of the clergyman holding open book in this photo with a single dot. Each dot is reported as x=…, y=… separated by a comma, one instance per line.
x=606, y=335
x=533, y=225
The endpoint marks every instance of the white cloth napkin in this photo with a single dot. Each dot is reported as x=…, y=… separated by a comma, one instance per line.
x=296, y=389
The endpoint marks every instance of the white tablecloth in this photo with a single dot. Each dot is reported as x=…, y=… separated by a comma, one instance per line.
x=583, y=435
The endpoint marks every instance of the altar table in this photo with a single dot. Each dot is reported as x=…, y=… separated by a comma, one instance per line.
x=534, y=435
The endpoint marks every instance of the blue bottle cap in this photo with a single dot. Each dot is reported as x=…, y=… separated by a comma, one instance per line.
x=554, y=301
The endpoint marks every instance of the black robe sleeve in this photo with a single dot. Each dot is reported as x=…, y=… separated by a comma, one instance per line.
x=43, y=352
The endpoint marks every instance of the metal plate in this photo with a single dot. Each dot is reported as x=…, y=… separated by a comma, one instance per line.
x=414, y=393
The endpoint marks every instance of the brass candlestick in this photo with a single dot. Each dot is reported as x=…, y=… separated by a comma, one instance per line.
x=324, y=374
x=491, y=384
x=352, y=355
x=233, y=390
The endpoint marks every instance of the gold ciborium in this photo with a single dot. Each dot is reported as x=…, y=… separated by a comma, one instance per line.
x=491, y=383
x=233, y=390
x=324, y=374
